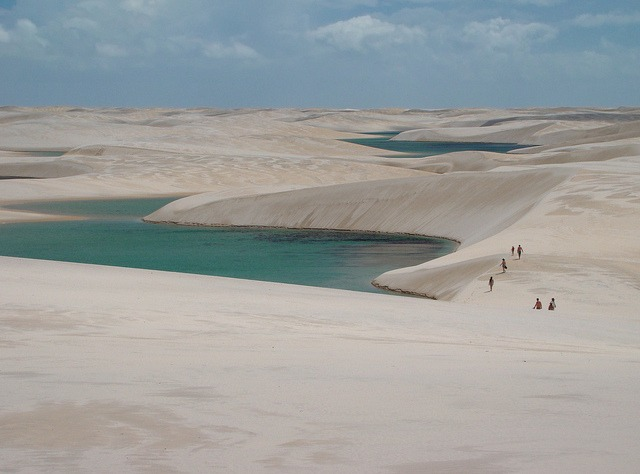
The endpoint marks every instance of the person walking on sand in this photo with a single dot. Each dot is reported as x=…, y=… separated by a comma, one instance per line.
x=513, y=249
x=490, y=283
x=520, y=250
x=503, y=265
x=538, y=304
x=552, y=304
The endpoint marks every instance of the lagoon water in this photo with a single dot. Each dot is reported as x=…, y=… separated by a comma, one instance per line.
x=114, y=234
x=416, y=149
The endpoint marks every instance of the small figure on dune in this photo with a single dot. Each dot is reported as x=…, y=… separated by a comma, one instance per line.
x=520, y=250
x=490, y=283
x=513, y=249
x=552, y=304
x=503, y=265
x=538, y=304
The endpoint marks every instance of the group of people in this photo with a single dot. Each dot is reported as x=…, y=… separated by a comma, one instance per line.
x=503, y=265
x=551, y=307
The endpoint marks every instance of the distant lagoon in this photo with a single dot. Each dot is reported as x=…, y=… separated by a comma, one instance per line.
x=417, y=149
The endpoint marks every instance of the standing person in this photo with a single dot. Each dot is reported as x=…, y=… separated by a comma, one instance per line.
x=491, y=284
x=520, y=250
x=503, y=265
x=513, y=249
x=538, y=304
x=552, y=304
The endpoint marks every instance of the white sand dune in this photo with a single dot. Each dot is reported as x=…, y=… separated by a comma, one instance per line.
x=108, y=369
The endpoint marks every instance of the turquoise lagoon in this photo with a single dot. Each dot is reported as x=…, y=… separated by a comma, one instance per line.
x=416, y=149
x=113, y=233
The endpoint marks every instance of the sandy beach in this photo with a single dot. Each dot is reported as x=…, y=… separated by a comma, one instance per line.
x=109, y=369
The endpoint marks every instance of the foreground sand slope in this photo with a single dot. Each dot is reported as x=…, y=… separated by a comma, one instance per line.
x=121, y=370
x=114, y=370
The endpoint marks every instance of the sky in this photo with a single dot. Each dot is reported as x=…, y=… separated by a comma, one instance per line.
x=363, y=54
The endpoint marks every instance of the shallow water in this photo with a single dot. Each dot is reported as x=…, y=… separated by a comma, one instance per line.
x=115, y=235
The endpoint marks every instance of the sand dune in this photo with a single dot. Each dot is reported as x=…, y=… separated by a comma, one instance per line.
x=464, y=206
x=108, y=369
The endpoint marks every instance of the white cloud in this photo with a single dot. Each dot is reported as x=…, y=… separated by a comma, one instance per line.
x=26, y=27
x=82, y=24
x=603, y=19
x=4, y=35
x=234, y=50
x=146, y=7
x=362, y=32
x=111, y=50
x=504, y=34
x=215, y=49
x=182, y=43
x=23, y=37
x=82, y=33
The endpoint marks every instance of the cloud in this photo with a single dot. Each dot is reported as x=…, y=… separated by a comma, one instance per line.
x=363, y=32
x=504, y=34
x=235, y=50
x=82, y=24
x=23, y=38
x=83, y=33
x=189, y=45
x=146, y=7
x=588, y=20
x=111, y=50
x=5, y=37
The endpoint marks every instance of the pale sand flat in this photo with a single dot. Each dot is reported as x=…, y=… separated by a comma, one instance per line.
x=110, y=369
